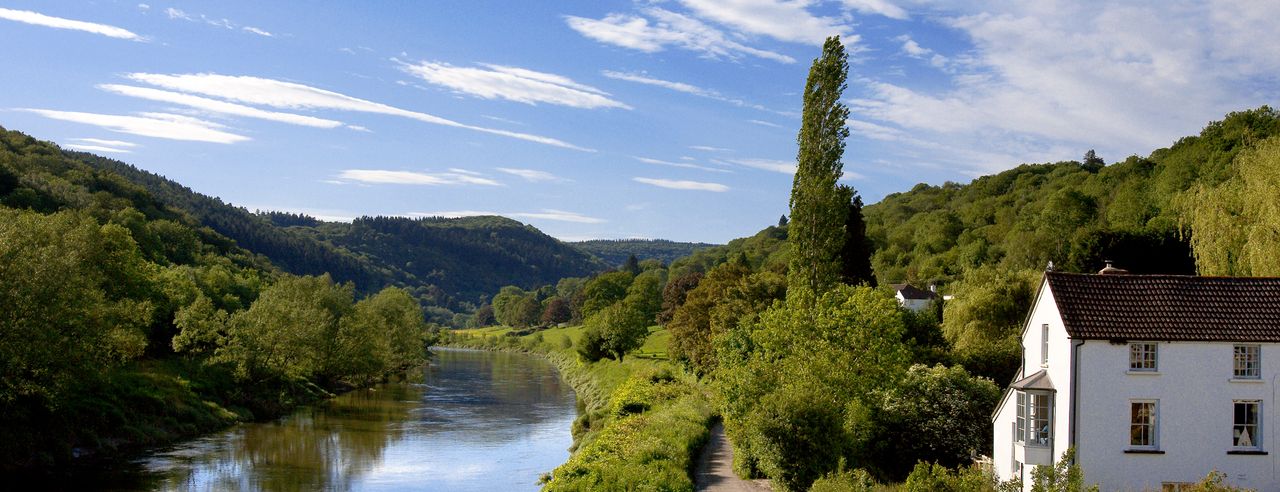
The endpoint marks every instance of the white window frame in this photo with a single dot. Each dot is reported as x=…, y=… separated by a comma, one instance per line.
x=1020, y=417
x=1154, y=423
x=1140, y=349
x=1027, y=430
x=1241, y=353
x=1044, y=345
x=1256, y=437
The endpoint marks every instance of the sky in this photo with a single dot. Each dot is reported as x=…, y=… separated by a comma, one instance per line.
x=671, y=119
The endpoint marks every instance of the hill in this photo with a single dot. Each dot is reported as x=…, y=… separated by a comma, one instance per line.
x=448, y=263
x=615, y=252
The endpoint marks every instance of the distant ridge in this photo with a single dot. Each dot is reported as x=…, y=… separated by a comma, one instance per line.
x=616, y=251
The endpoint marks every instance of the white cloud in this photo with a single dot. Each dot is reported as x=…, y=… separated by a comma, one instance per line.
x=158, y=125
x=545, y=214
x=661, y=28
x=533, y=175
x=685, y=165
x=257, y=31
x=782, y=20
x=108, y=143
x=177, y=14
x=1045, y=81
x=290, y=95
x=382, y=176
x=683, y=87
x=708, y=148
x=912, y=48
x=881, y=7
x=216, y=106
x=38, y=19
x=144, y=7
x=785, y=167
x=96, y=148
x=765, y=123
x=513, y=84
x=682, y=185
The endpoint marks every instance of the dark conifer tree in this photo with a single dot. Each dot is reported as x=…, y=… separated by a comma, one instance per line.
x=855, y=255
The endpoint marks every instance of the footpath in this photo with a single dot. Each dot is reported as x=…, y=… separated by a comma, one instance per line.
x=715, y=467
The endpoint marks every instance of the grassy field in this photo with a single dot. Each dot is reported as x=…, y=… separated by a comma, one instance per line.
x=644, y=418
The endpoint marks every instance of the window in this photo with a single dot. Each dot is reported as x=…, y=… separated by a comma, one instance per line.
x=1142, y=357
x=1034, y=426
x=1022, y=417
x=1245, y=430
x=1248, y=362
x=1044, y=345
x=1142, y=424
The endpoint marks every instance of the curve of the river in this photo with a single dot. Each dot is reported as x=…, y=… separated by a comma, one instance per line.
x=478, y=421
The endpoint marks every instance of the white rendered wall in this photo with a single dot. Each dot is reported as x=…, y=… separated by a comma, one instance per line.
x=1045, y=311
x=1195, y=390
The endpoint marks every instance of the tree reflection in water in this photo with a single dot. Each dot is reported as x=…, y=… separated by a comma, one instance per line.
x=478, y=421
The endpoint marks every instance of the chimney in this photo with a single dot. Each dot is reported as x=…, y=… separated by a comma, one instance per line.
x=1111, y=270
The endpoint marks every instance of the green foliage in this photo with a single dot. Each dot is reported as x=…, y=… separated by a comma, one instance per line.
x=935, y=414
x=613, y=332
x=807, y=364
x=616, y=251
x=933, y=477
x=674, y=294
x=1215, y=481
x=391, y=323
x=1063, y=476
x=983, y=322
x=855, y=251
x=604, y=290
x=857, y=480
x=701, y=318
x=76, y=301
x=293, y=330
x=645, y=294
x=556, y=311
x=819, y=207
x=1235, y=224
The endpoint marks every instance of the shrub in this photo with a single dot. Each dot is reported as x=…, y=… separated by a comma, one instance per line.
x=795, y=436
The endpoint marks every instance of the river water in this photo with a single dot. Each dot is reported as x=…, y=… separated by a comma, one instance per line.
x=481, y=421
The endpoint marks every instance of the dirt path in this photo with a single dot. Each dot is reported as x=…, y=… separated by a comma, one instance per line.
x=715, y=467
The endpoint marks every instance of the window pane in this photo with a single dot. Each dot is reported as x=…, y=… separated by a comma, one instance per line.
x=1244, y=432
x=1142, y=423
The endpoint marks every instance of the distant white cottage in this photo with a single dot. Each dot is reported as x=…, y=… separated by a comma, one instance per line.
x=1155, y=380
x=912, y=298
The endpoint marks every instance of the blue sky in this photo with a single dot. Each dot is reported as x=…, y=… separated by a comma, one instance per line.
x=667, y=119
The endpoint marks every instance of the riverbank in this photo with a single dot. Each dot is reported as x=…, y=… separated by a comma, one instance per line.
x=144, y=404
x=642, y=421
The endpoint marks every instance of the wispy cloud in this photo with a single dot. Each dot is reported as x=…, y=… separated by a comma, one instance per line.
x=290, y=95
x=96, y=148
x=641, y=78
x=682, y=185
x=785, y=167
x=109, y=143
x=544, y=214
x=38, y=19
x=659, y=28
x=177, y=14
x=765, y=123
x=257, y=31
x=216, y=106
x=881, y=7
x=782, y=20
x=382, y=176
x=513, y=84
x=158, y=125
x=532, y=175
x=660, y=162
x=708, y=148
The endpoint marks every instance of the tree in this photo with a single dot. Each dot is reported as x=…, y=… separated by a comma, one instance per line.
x=613, y=332
x=782, y=221
x=632, y=265
x=391, y=323
x=1235, y=225
x=556, y=312
x=855, y=253
x=674, y=294
x=818, y=208
x=645, y=294
x=1091, y=162
x=293, y=330
x=70, y=302
x=604, y=290
x=483, y=317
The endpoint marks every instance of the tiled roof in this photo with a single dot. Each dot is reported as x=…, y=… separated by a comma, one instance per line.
x=909, y=291
x=1168, y=307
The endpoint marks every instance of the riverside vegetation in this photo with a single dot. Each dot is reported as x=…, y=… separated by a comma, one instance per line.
x=140, y=311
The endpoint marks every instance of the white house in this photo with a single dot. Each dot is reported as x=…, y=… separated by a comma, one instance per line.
x=912, y=298
x=1155, y=380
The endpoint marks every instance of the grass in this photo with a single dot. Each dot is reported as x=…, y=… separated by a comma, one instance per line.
x=643, y=421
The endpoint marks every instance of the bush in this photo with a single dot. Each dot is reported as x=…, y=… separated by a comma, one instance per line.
x=845, y=481
x=932, y=477
x=795, y=436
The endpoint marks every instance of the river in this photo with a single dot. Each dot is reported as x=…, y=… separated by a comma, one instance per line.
x=476, y=421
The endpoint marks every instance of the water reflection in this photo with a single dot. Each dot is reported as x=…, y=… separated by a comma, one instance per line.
x=478, y=421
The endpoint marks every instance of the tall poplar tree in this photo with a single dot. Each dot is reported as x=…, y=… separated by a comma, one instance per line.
x=819, y=208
